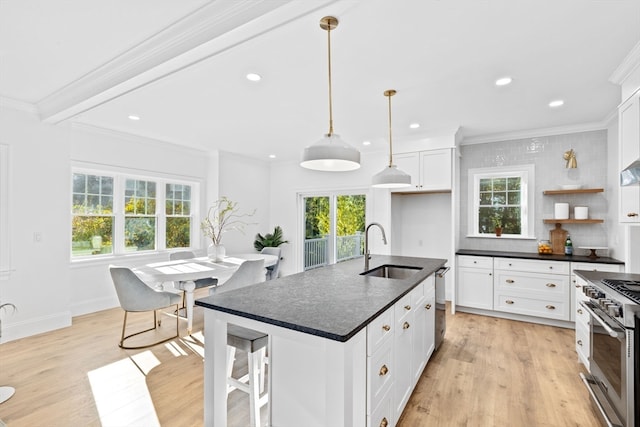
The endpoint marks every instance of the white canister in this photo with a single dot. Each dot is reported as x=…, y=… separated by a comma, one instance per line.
x=562, y=211
x=581, y=212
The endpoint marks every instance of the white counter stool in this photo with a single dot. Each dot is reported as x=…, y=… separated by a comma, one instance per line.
x=249, y=340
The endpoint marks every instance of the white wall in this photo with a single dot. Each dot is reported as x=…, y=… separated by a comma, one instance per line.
x=46, y=286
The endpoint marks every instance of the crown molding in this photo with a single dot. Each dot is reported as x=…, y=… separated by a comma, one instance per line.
x=15, y=104
x=205, y=33
x=629, y=64
x=534, y=133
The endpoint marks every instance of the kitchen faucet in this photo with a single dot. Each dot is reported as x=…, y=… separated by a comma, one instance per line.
x=367, y=257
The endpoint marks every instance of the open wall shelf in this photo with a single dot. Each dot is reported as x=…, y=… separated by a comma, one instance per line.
x=573, y=221
x=579, y=191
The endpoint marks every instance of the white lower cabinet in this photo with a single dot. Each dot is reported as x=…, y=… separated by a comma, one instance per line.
x=475, y=282
x=399, y=344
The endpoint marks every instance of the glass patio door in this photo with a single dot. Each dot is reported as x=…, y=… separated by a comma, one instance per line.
x=333, y=228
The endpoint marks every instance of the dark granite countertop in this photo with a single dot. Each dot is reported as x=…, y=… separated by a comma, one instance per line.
x=535, y=255
x=333, y=302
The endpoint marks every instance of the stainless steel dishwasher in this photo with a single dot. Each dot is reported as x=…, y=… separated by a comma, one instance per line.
x=441, y=309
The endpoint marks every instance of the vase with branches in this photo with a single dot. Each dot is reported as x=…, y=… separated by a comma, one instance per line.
x=223, y=216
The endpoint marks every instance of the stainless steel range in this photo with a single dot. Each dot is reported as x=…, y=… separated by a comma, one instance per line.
x=614, y=307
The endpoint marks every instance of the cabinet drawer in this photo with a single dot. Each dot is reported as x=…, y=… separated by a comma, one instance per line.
x=417, y=295
x=403, y=309
x=475, y=261
x=583, y=344
x=582, y=316
x=380, y=373
x=530, y=265
x=548, y=286
x=382, y=415
x=379, y=331
x=531, y=306
x=588, y=266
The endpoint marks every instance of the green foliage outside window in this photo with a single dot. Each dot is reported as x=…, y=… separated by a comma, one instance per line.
x=500, y=205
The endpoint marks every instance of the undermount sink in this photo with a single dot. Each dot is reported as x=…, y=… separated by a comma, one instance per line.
x=392, y=271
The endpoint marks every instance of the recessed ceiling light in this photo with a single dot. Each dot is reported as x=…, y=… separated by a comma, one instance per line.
x=503, y=81
x=556, y=103
x=254, y=77
x=132, y=117
x=366, y=143
x=272, y=156
x=414, y=125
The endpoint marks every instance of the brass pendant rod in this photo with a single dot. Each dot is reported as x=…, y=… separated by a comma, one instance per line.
x=329, y=66
x=389, y=93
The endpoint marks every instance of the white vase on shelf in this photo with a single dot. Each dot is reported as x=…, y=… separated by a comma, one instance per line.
x=216, y=252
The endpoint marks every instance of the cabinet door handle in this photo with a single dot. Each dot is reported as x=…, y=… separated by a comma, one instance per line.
x=386, y=327
x=428, y=306
x=509, y=301
x=551, y=307
x=550, y=285
x=510, y=281
x=407, y=307
x=550, y=267
x=383, y=370
x=384, y=422
x=406, y=325
x=632, y=214
x=579, y=311
x=580, y=343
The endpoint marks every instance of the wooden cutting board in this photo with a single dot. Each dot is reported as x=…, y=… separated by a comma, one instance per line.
x=558, y=237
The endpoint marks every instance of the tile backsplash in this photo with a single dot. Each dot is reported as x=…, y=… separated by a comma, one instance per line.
x=546, y=153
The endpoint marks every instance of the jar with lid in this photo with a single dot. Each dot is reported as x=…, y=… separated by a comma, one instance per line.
x=544, y=247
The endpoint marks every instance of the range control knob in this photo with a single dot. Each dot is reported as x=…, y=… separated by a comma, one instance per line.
x=615, y=310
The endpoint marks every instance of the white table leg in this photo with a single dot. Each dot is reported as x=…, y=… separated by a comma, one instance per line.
x=189, y=287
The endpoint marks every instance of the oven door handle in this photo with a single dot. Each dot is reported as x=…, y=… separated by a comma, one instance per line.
x=610, y=331
x=442, y=271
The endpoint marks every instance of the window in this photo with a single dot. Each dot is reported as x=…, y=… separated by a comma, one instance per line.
x=501, y=197
x=333, y=228
x=115, y=214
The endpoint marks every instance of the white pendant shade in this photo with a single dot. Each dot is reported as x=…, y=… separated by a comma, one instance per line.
x=391, y=177
x=331, y=153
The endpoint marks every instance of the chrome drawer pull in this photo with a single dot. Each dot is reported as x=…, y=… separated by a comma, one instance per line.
x=632, y=214
x=510, y=281
x=509, y=301
x=550, y=285
x=551, y=307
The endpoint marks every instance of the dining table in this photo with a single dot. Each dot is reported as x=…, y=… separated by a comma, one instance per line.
x=181, y=274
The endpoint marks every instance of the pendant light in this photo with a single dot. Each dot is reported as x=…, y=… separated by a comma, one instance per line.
x=391, y=176
x=330, y=153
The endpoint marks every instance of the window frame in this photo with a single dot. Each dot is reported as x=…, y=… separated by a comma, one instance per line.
x=526, y=173
x=120, y=176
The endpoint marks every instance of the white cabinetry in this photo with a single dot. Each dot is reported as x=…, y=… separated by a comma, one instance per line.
x=399, y=344
x=532, y=287
x=629, y=125
x=581, y=317
x=475, y=282
x=429, y=170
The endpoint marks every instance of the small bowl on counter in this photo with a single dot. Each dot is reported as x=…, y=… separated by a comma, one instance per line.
x=544, y=247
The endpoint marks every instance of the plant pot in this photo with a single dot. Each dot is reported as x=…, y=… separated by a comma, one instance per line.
x=216, y=252
x=498, y=231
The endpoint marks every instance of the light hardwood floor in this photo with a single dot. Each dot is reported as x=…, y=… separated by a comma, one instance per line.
x=488, y=372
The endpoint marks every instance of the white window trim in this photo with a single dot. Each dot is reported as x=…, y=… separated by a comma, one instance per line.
x=527, y=175
x=120, y=175
x=5, y=240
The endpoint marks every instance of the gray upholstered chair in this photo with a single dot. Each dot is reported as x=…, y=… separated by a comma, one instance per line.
x=200, y=283
x=135, y=296
x=254, y=343
x=273, y=270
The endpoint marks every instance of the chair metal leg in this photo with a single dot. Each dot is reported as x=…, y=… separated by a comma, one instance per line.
x=156, y=324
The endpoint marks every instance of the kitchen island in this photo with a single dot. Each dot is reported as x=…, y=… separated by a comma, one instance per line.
x=317, y=325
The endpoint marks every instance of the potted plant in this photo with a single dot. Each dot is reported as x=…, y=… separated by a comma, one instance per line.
x=497, y=221
x=269, y=240
x=223, y=216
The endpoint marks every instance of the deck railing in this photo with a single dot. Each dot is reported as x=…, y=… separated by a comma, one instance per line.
x=316, y=251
